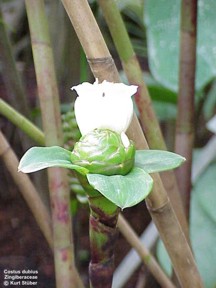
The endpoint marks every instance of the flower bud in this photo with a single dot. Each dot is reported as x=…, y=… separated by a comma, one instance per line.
x=102, y=151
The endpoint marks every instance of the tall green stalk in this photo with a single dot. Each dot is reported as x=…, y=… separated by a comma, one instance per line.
x=103, y=67
x=185, y=118
x=66, y=50
x=147, y=115
x=133, y=72
x=66, y=274
x=147, y=258
x=22, y=122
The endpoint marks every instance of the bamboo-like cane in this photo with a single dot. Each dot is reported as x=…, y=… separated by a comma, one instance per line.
x=158, y=203
x=185, y=118
x=147, y=116
x=66, y=273
x=27, y=190
x=145, y=255
x=22, y=122
x=124, y=227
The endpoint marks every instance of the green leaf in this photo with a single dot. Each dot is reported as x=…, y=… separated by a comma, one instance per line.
x=38, y=158
x=124, y=191
x=157, y=160
x=162, y=19
x=203, y=225
x=164, y=110
x=210, y=102
x=202, y=228
x=158, y=92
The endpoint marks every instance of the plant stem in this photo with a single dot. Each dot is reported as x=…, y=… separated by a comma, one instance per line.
x=158, y=201
x=185, y=118
x=27, y=190
x=102, y=65
x=66, y=50
x=22, y=122
x=123, y=226
x=133, y=72
x=145, y=255
x=66, y=273
x=39, y=211
x=147, y=115
x=103, y=236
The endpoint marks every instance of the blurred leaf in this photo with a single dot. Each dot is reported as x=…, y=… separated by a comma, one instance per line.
x=134, y=25
x=162, y=23
x=139, y=48
x=202, y=228
x=164, y=100
x=136, y=29
x=165, y=111
x=159, y=92
x=210, y=102
x=124, y=191
x=135, y=5
x=157, y=160
x=38, y=158
x=203, y=225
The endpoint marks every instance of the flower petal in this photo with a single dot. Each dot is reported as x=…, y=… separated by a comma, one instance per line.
x=125, y=140
x=104, y=105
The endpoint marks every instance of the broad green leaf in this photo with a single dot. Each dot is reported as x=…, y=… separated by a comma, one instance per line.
x=124, y=191
x=38, y=158
x=202, y=228
x=162, y=19
x=158, y=92
x=206, y=192
x=157, y=160
x=210, y=102
x=165, y=111
x=203, y=225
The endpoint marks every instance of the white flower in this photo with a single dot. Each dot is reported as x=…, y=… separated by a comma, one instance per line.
x=104, y=105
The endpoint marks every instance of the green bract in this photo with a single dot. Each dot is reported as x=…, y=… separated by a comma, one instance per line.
x=123, y=190
x=103, y=152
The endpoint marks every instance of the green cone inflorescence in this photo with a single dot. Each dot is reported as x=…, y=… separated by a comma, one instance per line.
x=103, y=152
x=70, y=129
